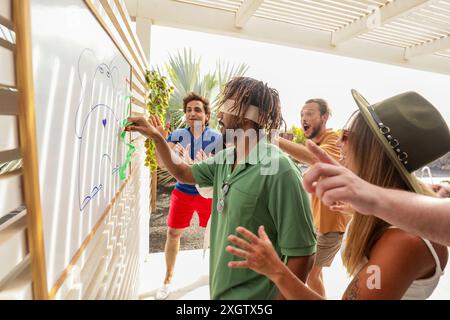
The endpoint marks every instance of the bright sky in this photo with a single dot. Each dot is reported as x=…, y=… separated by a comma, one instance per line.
x=299, y=75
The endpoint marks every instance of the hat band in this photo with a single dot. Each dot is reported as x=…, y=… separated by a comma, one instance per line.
x=393, y=142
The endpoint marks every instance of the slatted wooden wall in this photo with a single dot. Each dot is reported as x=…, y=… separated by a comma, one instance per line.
x=15, y=268
x=107, y=264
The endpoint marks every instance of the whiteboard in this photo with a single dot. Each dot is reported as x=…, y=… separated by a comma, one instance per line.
x=82, y=88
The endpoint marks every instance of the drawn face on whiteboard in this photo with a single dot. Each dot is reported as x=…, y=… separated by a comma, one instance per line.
x=102, y=107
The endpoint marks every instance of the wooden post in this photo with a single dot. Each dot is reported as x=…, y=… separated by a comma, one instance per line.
x=154, y=188
x=27, y=128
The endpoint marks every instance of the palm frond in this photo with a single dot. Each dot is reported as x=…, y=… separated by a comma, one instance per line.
x=226, y=72
x=208, y=85
x=164, y=177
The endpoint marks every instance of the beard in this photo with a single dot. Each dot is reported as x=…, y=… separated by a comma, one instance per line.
x=314, y=133
x=228, y=142
x=223, y=130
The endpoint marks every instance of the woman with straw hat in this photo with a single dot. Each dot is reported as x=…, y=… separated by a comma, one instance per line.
x=383, y=145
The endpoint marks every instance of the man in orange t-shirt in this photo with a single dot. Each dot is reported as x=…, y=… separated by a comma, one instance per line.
x=330, y=225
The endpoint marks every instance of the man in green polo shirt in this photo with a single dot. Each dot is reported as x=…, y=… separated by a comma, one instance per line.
x=254, y=184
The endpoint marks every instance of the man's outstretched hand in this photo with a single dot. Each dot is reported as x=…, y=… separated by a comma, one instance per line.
x=148, y=128
x=334, y=184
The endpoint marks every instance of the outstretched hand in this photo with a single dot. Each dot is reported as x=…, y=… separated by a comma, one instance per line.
x=156, y=122
x=257, y=252
x=201, y=156
x=147, y=128
x=333, y=184
x=184, y=153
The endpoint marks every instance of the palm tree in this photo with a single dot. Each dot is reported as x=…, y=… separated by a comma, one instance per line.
x=185, y=74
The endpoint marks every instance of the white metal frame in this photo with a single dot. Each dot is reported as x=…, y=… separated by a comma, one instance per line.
x=408, y=33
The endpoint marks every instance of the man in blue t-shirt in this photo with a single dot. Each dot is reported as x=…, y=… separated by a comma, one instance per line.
x=196, y=140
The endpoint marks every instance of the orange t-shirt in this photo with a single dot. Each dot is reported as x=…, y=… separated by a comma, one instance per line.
x=326, y=220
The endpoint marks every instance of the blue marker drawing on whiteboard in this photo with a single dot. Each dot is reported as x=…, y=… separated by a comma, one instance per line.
x=100, y=153
x=108, y=157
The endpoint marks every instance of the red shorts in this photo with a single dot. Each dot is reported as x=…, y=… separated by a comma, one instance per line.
x=182, y=207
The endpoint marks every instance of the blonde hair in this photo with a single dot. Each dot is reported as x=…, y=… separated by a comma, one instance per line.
x=371, y=163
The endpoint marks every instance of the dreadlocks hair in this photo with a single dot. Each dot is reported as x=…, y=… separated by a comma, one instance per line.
x=247, y=91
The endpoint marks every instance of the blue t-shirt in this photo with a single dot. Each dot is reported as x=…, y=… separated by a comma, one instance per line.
x=209, y=142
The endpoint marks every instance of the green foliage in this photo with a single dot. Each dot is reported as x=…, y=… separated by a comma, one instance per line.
x=299, y=135
x=159, y=93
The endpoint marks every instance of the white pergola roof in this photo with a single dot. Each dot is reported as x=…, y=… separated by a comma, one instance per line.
x=409, y=33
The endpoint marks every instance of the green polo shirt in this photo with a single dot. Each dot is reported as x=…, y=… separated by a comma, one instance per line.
x=266, y=189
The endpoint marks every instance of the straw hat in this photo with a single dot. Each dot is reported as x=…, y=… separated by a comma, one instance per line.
x=410, y=129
